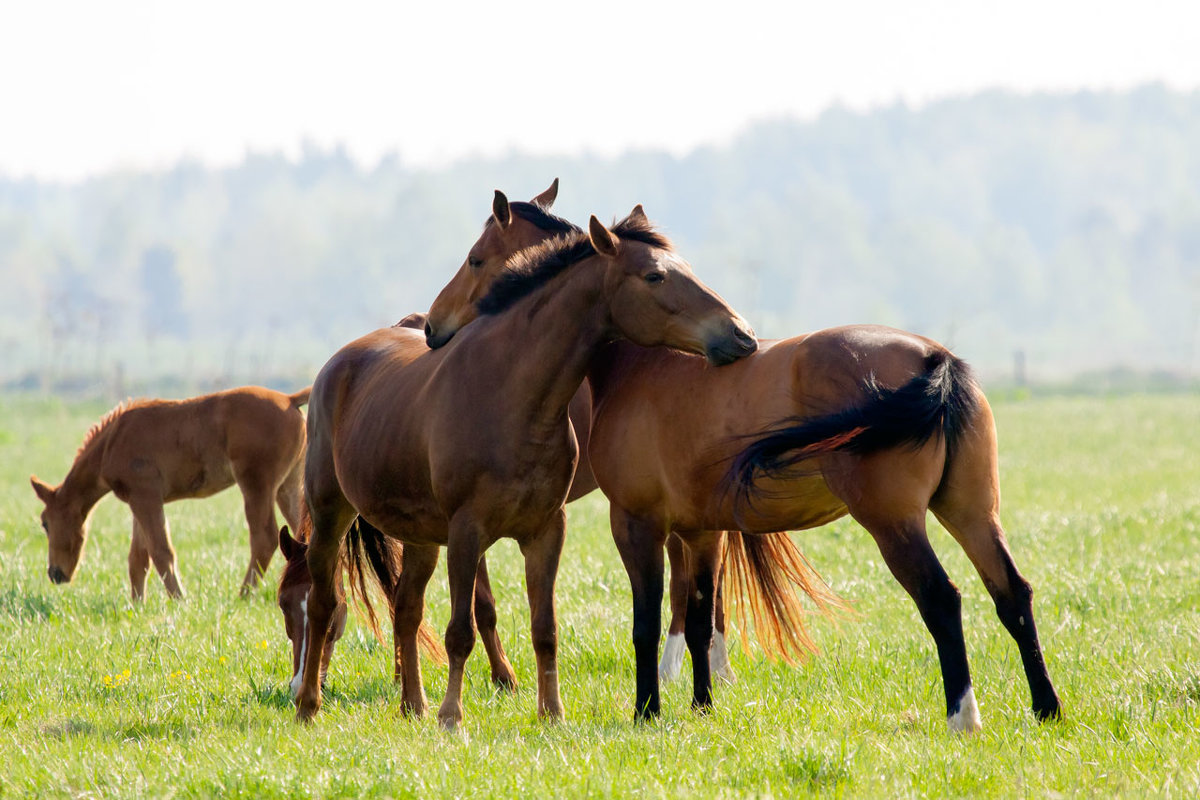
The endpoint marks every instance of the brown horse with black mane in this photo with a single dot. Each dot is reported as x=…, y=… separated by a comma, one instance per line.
x=471, y=443
x=762, y=572
x=870, y=421
x=150, y=452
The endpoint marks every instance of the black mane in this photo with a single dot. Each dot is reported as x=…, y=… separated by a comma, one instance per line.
x=540, y=218
x=534, y=267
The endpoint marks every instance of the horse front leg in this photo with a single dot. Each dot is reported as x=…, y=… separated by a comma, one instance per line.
x=542, y=554
x=641, y=549
x=325, y=601
x=463, y=550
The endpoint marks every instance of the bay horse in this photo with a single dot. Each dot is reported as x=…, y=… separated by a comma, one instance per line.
x=151, y=452
x=866, y=420
x=461, y=446
x=384, y=556
x=761, y=571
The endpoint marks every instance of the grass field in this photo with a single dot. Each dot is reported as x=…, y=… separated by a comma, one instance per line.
x=1102, y=506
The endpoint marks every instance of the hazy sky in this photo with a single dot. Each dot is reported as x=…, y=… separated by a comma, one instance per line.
x=87, y=86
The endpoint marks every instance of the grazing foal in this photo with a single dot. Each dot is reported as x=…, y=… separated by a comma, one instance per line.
x=470, y=443
x=150, y=452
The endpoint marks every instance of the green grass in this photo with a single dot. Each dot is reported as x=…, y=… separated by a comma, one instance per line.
x=1102, y=506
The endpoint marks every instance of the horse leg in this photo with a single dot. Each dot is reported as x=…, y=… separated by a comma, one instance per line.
x=326, y=597
x=290, y=495
x=462, y=562
x=906, y=549
x=139, y=563
x=706, y=559
x=149, y=515
x=503, y=675
x=408, y=609
x=542, y=554
x=673, y=648
x=641, y=549
x=718, y=654
x=259, y=507
x=984, y=542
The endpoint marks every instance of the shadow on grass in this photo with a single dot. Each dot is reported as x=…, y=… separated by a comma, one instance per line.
x=117, y=730
x=25, y=607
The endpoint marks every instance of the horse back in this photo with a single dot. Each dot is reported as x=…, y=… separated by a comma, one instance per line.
x=197, y=447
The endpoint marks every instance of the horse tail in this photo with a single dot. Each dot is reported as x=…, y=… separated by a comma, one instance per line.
x=386, y=559
x=762, y=574
x=942, y=400
x=300, y=398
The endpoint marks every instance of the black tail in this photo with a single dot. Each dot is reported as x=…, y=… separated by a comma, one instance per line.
x=941, y=401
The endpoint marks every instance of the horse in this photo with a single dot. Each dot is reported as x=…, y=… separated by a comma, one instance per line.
x=756, y=570
x=470, y=443
x=762, y=567
x=151, y=452
x=871, y=421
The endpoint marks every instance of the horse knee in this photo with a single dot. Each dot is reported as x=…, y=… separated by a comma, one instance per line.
x=1015, y=607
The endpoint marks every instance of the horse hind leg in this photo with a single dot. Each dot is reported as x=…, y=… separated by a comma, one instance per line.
x=408, y=608
x=906, y=549
x=983, y=540
x=718, y=654
x=503, y=675
x=673, y=649
x=139, y=563
x=698, y=630
x=259, y=506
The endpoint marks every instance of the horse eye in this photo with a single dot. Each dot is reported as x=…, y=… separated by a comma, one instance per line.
x=475, y=263
x=654, y=277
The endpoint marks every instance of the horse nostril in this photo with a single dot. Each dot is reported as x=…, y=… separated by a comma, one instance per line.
x=745, y=337
x=428, y=331
x=56, y=575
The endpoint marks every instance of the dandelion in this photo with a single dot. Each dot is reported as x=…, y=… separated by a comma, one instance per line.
x=263, y=645
x=222, y=660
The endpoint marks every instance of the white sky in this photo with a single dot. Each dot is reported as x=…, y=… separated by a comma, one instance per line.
x=91, y=85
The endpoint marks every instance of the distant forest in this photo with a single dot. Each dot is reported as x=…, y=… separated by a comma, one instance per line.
x=1064, y=227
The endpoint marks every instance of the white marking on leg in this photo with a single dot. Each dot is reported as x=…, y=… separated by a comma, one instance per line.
x=298, y=678
x=966, y=719
x=718, y=659
x=672, y=657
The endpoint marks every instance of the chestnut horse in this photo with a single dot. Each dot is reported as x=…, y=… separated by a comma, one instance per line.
x=150, y=452
x=470, y=443
x=865, y=420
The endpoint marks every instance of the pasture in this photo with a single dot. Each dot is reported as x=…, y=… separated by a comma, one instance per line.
x=99, y=697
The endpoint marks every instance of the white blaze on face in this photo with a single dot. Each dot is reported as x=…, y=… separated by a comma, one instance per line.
x=966, y=719
x=298, y=678
x=672, y=657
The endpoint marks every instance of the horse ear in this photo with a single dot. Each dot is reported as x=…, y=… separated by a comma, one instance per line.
x=43, y=490
x=500, y=209
x=292, y=550
x=602, y=238
x=547, y=198
x=638, y=213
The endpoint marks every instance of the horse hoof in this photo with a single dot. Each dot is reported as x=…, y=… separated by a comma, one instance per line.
x=965, y=718
x=306, y=709
x=506, y=683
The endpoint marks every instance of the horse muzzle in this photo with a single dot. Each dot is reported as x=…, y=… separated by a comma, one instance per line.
x=738, y=341
x=57, y=575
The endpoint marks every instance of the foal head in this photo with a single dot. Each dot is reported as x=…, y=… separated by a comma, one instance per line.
x=65, y=522
x=294, y=586
x=511, y=228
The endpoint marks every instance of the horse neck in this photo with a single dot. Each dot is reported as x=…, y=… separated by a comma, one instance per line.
x=558, y=328
x=608, y=364
x=83, y=484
